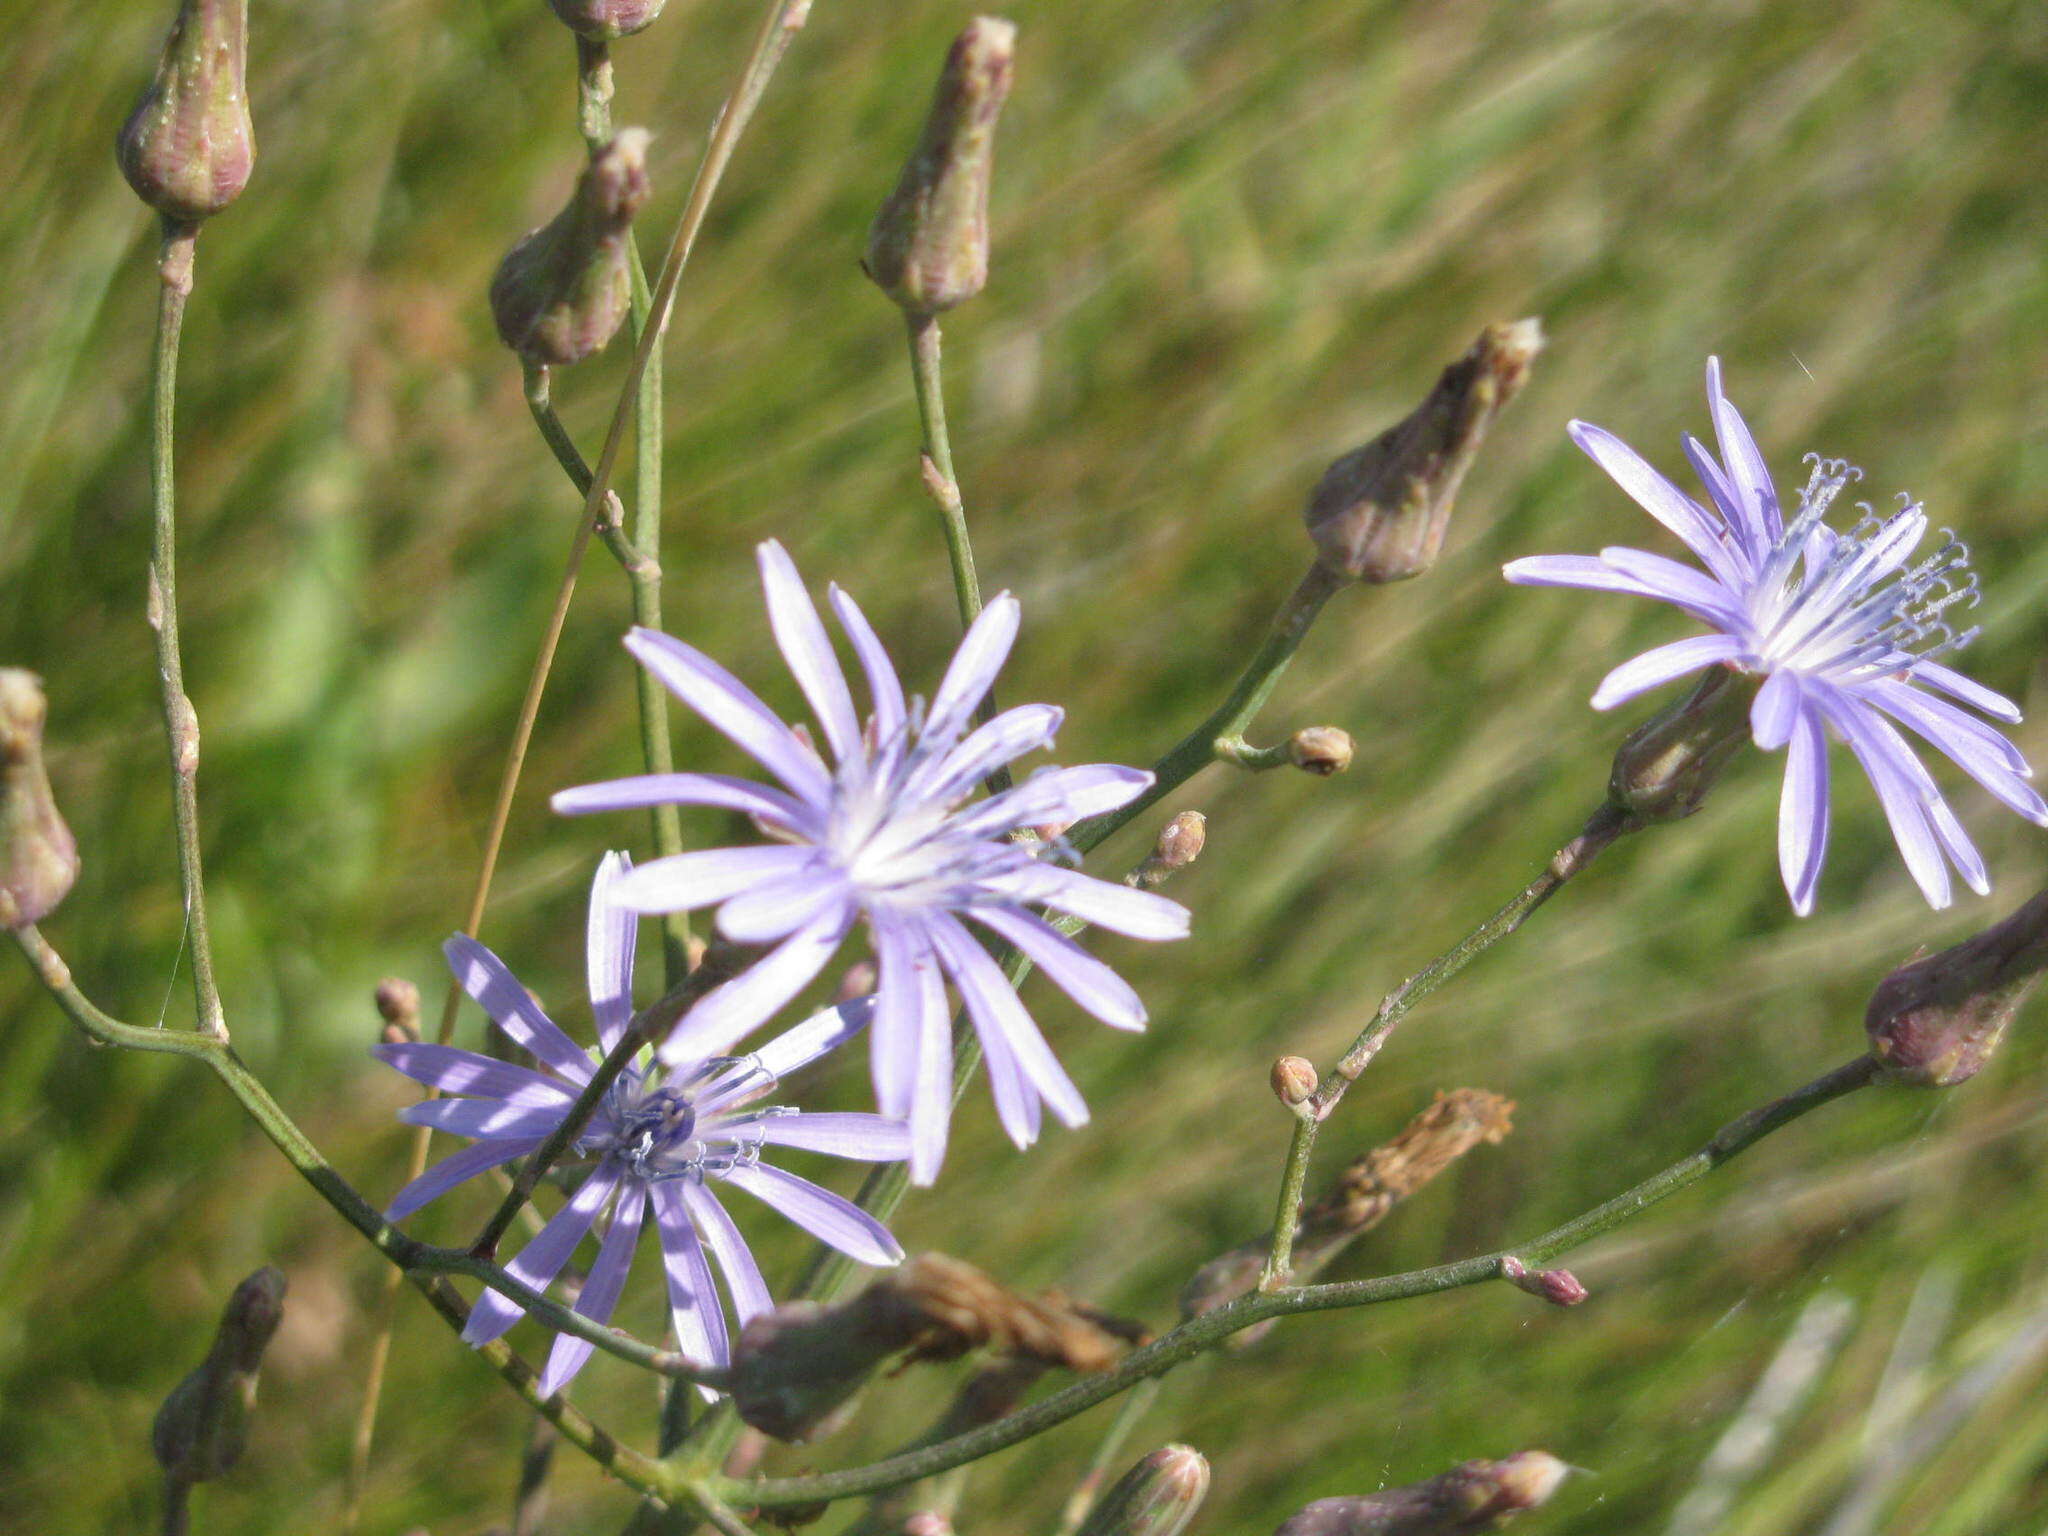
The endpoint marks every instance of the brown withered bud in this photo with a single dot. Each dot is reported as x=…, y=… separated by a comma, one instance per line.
x=928, y=247
x=38, y=856
x=1478, y=1496
x=1935, y=1022
x=1181, y=840
x=1559, y=1287
x=795, y=1369
x=1157, y=1497
x=603, y=21
x=398, y=1005
x=562, y=292
x=204, y=1423
x=1293, y=1079
x=188, y=147
x=1320, y=749
x=1666, y=766
x=1380, y=512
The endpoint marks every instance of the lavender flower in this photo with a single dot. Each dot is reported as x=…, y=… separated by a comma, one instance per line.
x=658, y=1143
x=884, y=835
x=1843, y=631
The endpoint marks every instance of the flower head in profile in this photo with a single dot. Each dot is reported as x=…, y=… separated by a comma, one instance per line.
x=887, y=833
x=660, y=1144
x=1846, y=629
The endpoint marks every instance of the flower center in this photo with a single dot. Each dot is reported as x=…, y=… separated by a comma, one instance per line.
x=691, y=1127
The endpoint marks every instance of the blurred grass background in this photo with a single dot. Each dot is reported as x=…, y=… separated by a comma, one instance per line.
x=1232, y=240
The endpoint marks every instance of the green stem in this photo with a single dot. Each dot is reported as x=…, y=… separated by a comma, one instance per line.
x=1287, y=1214
x=1202, y=1333
x=181, y=723
x=938, y=459
x=1222, y=734
x=1089, y=1489
x=177, y=1506
x=1602, y=828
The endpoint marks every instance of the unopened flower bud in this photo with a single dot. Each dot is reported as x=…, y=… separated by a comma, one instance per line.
x=1294, y=1079
x=1320, y=749
x=562, y=291
x=603, y=20
x=188, y=146
x=1478, y=1496
x=1559, y=1287
x=928, y=247
x=38, y=857
x=398, y=1005
x=1935, y=1022
x=927, y=1522
x=1157, y=1497
x=1379, y=513
x=1180, y=841
x=204, y=1423
x=1667, y=765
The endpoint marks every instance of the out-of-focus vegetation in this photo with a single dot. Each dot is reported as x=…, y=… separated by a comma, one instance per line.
x=1231, y=240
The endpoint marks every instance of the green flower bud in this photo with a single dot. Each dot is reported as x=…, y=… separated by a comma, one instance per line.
x=38, y=857
x=188, y=146
x=1935, y=1022
x=1667, y=765
x=1157, y=1497
x=203, y=1425
x=928, y=247
x=1380, y=512
x=604, y=20
x=561, y=293
x=1478, y=1496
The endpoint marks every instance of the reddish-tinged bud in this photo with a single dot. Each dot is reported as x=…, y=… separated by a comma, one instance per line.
x=1180, y=842
x=1294, y=1079
x=204, y=1423
x=188, y=146
x=1935, y=1022
x=928, y=247
x=38, y=857
x=604, y=20
x=1320, y=749
x=398, y=1005
x=562, y=291
x=1380, y=512
x=1559, y=1287
x=1478, y=1496
x=1157, y=1497
x=1667, y=765
x=927, y=1522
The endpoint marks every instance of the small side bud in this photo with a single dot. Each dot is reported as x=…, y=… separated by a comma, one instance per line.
x=1320, y=749
x=188, y=147
x=1157, y=1497
x=1935, y=1022
x=1559, y=1287
x=1478, y=1496
x=1181, y=840
x=1667, y=765
x=398, y=1005
x=1294, y=1080
x=204, y=1423
x=1380, y=512
x=38, y=856
x=562, y=292
x=928, y=247
x=604, y=21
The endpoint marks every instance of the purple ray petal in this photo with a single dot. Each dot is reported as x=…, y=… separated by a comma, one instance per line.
x=1056, y=795
x=808, y=650
x=484, y=1117
x=885, y=689
x=682, y=882
x=1803, y=809
x=484, y=977
x=1971, y=692
x=1071, y=968
x=931, y=1106
x=1971, y=745
x=731, y=709
x=821, y=1213
x=996, y=1010
x=1680, y=585
x=900, y=998
x=1776, y=709
x=983, y=650
x=729, y=1013
x=1721, y=491
x=694, y=1312
x=457, y=1168
x=1589, y=572
x=542, y=1259
x=817, y=1036
x=761, y=801
x=1009, y=736
x=1648, y=488
x=452, y=1070
x=1135, y=914
x=1665, y=664
x=775, y=909
x=743, y=1281
x=863, y=1138
x=610, y=938
x=1916, y=839
x=600, y=1292
x=1750, y=476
